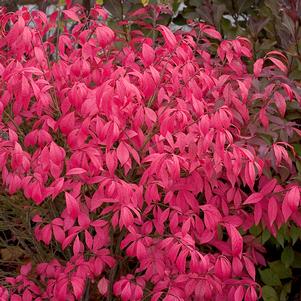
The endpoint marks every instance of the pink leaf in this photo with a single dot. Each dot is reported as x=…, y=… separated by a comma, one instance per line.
x=236, y=240
x=72, y=205
x=272, y=210
x=68, y=240
x=254, y=198
x=278, y=151
x=250, y=267
x=280, y=103
x=169, y=37
x=286, y=209
x=250, y=174
x=148, y=54
x=156, y=296
x=263, y=118
x=105, y=35
x=58, y=233
x=68, y=3
x=78, y=285
x=126, y=217
x=239, y=293
x=27, y=295
x=293, y=198
x=25, y=269
x=103, y=286
x=257, y=213
x=181, y=261
x=75, y=171
x=210, y=31
x=71, y=15
x=76, y=246
x=46, y=234
x=258, y=67
x=222, y=268
x=39, y=54
x=278, y=63
x=268, y=187
x=251, y=294
x=67, y=123
x=122, y=153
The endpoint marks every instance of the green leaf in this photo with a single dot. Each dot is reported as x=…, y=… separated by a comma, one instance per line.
x=287, y=256
x=266, y=235
x=292, y=116
x=269, y=294
x=297, y=261
x=295, y=233
x=255, y=230
x=280, y=239
x=144, y=2
x=269, y=277
x=280, y=236
x=285, y=291
x=297, y=148
x=298, y=164
x=280, y=269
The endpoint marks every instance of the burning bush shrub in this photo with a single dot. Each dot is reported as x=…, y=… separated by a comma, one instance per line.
x=143, y=163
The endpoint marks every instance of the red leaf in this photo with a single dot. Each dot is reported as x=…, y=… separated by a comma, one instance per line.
x=72, y=205
x=71, y=15
x=239, y=293
x=254, y=198
x=286, y=209
x=88, y=240
x=148, y=54
x=75, y=171
x=46, y=234
x=258, y=67
x=76, y=246
x=251, y=294
x=105, y=35
x=181, y=261
x=257, y=213
x=293, y=198
x=68, y=240
x=68, y=3
x=103, y=286
x=210, y=31
x=213, y=33
x=67, y=123
x=250, y=174
x=222, y=268
x=268, y=187
x=122, y=153
x=126, y=217
x=78, y=285
x=25, y=269
x=39, y=54
x=263, y=118
x=58, y=233
x=169, y=37
x=250, y=267
x=278, y=63
x=272, y=210
x=236, y=240
x=276, y=52
x=33, y=70
x=280, y=103
x=278, y=151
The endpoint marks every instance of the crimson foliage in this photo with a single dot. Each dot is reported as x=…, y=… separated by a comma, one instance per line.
x=156, y=156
